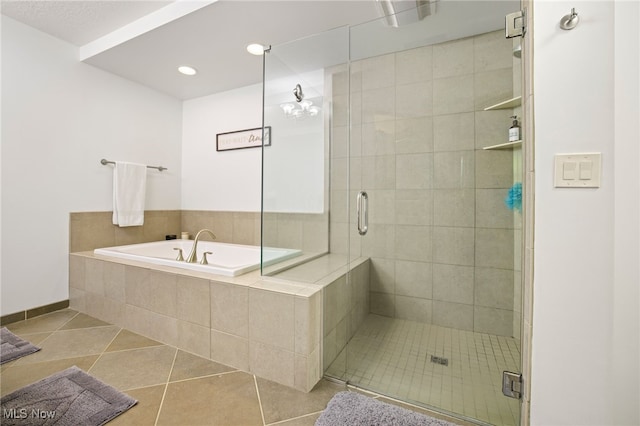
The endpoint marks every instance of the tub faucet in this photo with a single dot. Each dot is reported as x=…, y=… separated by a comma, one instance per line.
x=193, y=258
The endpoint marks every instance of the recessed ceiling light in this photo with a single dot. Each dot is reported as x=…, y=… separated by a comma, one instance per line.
x=187, y=70
x=255, y=49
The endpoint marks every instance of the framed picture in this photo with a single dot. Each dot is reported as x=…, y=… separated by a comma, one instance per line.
x=250, y=138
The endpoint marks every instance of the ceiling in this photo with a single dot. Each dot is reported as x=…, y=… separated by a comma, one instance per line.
x=146, y=40
x=212, y=38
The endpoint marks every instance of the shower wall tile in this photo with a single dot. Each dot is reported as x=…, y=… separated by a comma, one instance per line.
x=383, y=304
x=492, y=127
x=492, y=87
x=413, y=207
x=379, y=241
x=413, y=279
x=381, y=206
x=414, y=135
x=494, y=248
x=379, y=172
x=376, y=105
x=414, y=309
x=454, y=132
x=453, y=58
x=378, y=138
x=453, y=95
x=355, y=76
x=230, y=308
x=230, y=350
x=454, y=170
x=243, y=230
x=383, y=275
x=454, y=315
x=453, y=246
x=378, y=72
x=491, y=209
x=492, y=321
x=413, y=243
x=193, y=300
x=414, y=171
x=492, y=51
x=494, y=169
x=340, y=109
x=453, y=283
x=454, y=207
x=315, y=233
x=414, y=65
x=494, y=288
x=340, y=142
x=414, y=100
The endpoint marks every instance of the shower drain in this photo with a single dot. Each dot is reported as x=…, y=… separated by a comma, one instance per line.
x=439, y=360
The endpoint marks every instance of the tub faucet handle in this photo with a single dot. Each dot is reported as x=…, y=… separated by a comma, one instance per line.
x=204, y=258
x=179, y=258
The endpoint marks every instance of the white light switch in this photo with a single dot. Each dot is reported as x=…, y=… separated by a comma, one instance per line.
x=577, y=170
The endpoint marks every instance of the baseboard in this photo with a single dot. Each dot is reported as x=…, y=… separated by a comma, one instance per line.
x=34, y=312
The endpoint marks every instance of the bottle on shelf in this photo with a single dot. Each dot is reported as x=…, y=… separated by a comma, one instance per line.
x=514, y=130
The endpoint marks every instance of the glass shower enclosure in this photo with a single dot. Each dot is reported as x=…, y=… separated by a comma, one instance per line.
x=391, y=170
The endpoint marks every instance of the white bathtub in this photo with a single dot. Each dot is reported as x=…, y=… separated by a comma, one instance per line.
x=226, y=259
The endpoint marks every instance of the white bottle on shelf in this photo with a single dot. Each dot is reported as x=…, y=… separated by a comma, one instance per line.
x=514, y=130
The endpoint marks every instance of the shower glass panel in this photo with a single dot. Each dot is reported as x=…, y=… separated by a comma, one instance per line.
x=298, y=172
x=425, y=305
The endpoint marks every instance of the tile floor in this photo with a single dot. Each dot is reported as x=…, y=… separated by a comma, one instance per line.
x=393, y=357
x=173, y=387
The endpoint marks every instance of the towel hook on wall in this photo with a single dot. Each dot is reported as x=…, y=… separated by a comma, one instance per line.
x=570, y=21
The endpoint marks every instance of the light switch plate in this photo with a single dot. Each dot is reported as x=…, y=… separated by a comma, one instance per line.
x=581, y=170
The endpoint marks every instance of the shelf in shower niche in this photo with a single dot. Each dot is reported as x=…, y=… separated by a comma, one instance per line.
x=509, y=103
x=507, y=145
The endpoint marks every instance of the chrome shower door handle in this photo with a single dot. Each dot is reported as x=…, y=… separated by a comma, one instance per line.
x=362, y=207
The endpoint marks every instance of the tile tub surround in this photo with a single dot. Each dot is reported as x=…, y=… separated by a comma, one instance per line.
x=267, y=327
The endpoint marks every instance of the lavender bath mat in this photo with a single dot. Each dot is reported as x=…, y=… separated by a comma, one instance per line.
x=354, y=409
x=13, y=347
x=70, y=397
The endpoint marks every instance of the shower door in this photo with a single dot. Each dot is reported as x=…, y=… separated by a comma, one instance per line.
x=428, y=210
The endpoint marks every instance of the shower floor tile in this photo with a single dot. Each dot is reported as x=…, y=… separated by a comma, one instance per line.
x=393, y=357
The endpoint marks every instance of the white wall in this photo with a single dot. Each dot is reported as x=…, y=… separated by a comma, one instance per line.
x=227, y=180
x=59, y=118
x=579, y=337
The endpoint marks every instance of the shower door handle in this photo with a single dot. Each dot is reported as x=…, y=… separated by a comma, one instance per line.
x=362, y=206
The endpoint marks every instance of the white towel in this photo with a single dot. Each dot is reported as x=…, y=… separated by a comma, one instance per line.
x=129, y=184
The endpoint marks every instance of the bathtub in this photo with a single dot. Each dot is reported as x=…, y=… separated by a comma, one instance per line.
x=226, y=259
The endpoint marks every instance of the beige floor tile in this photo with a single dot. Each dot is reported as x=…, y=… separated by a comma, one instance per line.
x=43, y=323
x=145, y=411
x=34, y=339
x=228, y=399
x=22, y=375
x=83, y=321
x=72, y=343
x=189, y=366
x=135, y=368
x=128, y=340
x=309, y=420
x=281, y=403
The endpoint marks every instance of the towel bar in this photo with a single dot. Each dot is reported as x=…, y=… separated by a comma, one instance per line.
x=105, y=162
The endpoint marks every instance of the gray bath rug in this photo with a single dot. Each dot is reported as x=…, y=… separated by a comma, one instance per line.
x=70, y=397
x=13, y=347
x=354, y=409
